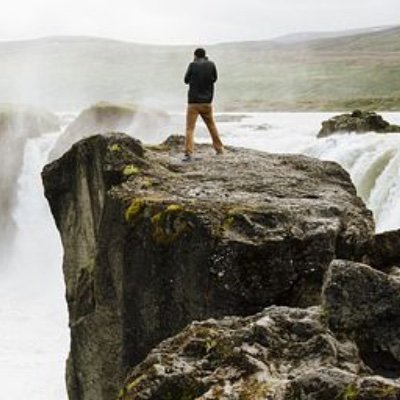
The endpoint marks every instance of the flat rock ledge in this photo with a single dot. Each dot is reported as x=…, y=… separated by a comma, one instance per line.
x=152, y=244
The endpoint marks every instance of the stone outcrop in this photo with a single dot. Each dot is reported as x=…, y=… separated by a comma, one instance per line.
x=385, y=251
x=279, y=354
x=152, y=244
x=17, y=124
x=106, y=117
x=346, y=349
x=364, y=304
x=358, y=122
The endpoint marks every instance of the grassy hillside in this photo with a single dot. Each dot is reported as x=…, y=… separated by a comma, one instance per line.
x=360, y=70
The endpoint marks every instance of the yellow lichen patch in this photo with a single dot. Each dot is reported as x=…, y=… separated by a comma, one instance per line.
x=131, y=389
x=235, y=214
x=351, y=392
x=134, y=210
x=130, y=170
x=115, y=147
x=134, y=384
x=231, y=216
x=170, y=224
x=174, y=208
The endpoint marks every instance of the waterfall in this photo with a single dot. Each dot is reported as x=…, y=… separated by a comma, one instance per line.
x=373, y=161
x=33, y=314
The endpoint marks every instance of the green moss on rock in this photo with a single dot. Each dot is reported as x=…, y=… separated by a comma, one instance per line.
x=130, y=170
x=170, y=224
x=351, y=392
x=115, y=147
x=134, y=210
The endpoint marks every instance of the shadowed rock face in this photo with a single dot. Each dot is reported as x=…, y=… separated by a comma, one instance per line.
x=346, y=349
x=152, y=244
x=364, y=304
x=17, y=124
x=281, y=354
x=358, y=122
x=385, y=252
x=106, y=117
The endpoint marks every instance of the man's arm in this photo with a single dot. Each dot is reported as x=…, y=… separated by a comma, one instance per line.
x=215, y=73
x=188, y=74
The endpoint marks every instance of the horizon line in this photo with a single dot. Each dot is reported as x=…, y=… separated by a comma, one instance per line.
x=270, y=39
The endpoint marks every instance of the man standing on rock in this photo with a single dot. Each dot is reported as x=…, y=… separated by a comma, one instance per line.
x=201, y=76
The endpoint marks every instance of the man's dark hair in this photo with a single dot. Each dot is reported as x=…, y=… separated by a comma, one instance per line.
x=200, y=53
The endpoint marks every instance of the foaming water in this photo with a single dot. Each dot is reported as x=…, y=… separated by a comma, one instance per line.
x=373, y=162
x=33, y=330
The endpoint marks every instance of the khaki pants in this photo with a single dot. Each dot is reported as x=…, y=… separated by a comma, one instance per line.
x=206, y=113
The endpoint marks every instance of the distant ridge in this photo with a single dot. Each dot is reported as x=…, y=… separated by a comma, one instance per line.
x=308, y=36
x=306, y=71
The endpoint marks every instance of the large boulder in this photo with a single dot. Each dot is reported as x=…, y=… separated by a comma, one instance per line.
x=385, y=250
x=364, y=304
x=17, y=124
x=152, y=244
x=273, y=354
x=106, y=117
x=358, y=122
x=348, y=349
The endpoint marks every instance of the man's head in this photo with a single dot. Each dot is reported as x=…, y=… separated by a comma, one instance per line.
x=199, y=53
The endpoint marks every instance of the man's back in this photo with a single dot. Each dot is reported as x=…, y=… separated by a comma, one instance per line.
x=201, y=76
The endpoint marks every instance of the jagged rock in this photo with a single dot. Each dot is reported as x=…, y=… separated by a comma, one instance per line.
x=279, y=354
x=106, y=117
x=364, y=304
x=152, y=243
x=348, y=348
x=17, y=124
x=385, y=251
x=358, y=122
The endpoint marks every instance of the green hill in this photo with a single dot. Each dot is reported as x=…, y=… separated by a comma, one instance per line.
x=334, y=73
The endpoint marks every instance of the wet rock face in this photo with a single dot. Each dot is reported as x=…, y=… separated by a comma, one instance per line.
x=152, y=244
x=358, y=122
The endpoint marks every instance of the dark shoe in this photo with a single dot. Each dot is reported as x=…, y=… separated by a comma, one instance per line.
x=187, y=158
x=220, y=152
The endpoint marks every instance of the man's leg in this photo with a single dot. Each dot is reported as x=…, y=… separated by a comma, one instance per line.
x=207, y=115
x=191, y=117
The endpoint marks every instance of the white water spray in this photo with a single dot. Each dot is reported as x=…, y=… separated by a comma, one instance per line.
x=33, y=315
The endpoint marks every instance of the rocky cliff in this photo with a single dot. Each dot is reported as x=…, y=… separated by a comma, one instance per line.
x=152, y=244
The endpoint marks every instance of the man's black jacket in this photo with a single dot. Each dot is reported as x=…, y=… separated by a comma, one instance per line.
x=201, y=76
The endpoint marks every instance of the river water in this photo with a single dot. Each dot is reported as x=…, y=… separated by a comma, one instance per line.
x=33, y=317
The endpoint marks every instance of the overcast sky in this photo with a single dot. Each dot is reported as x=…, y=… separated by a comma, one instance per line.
x=188, y=21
